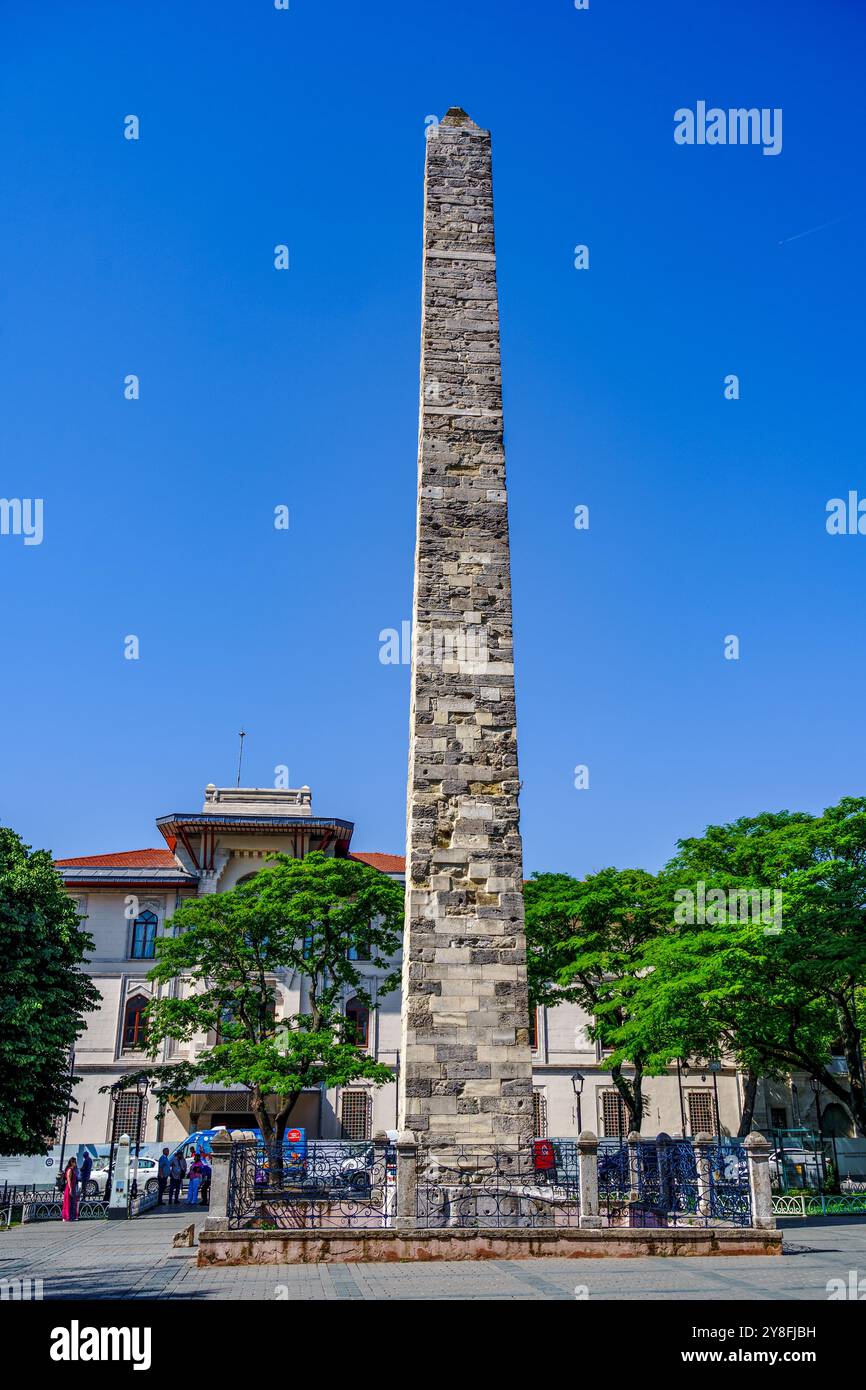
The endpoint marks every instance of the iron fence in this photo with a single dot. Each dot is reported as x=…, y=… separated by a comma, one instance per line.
x=16, y=1196
x=331, y=1185
x=669, y=1182
x=320, y=1185
x=49, y=1208
x=484, y=1187
x=819, y=1204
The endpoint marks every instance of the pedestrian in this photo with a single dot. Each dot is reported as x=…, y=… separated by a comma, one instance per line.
x=86, y=1165
x=206, y=1173
x=176, y=1170
x=194, y=1180
x=163, y=1175
x=69, y=1211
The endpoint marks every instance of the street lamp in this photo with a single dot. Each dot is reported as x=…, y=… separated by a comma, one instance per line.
x=141, y=1092
x=114, y=1119
x=69, y=1103
x=715, y=1067
x=682, y=1070
x=577, y=1081
x=815, y=1086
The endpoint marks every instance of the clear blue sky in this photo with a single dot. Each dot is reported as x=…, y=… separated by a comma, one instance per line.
x=259, y=388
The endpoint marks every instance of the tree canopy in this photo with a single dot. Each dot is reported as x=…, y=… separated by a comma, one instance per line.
x=44, y=996
x=585, y=943
x=227, y=955
x=768, y=967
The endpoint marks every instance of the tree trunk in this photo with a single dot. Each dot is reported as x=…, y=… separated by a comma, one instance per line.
x=263, y=1119
x=284, y=1115
x=750, y=1095
x=853, y=1044
x=631, y=1094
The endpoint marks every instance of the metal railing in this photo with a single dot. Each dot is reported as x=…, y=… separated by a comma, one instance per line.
x=50, y=1208
x=671, y=1182
x=324, y=1184
x=819, y=1204
x=373, y=1184
x=485, y=1187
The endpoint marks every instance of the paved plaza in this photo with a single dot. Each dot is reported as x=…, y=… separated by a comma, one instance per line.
x=135, y=1259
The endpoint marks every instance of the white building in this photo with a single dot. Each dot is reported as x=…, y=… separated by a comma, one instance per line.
x=129, y=898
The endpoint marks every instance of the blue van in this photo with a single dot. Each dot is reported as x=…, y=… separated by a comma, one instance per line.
x=294, y=1148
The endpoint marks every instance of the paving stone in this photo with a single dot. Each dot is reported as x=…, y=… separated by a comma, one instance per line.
x=135, y=1260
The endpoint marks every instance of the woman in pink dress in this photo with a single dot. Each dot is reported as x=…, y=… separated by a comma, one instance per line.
x=69, y=1211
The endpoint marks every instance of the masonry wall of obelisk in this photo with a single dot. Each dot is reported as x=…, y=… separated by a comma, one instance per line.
x=465, y=1070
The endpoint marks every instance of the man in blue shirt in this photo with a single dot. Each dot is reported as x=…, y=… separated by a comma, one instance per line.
x=162, y=1175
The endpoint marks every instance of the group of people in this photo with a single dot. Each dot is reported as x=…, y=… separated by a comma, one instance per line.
x=75, y=1182
x=172, y=1171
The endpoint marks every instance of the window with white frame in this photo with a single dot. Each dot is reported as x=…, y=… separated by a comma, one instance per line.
x=135, y=1023
x=356, y=1114
x=143, y=940
x=358, y=1023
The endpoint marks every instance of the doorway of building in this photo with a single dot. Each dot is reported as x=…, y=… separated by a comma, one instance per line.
x=232, y=1120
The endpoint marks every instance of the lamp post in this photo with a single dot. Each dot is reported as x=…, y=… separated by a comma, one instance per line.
x=141, y=1092
x=815, y=1085
x=577, y=1081
x=714, y=1067
x=66, y=1118
x=114, y=1119
x=682, y=1070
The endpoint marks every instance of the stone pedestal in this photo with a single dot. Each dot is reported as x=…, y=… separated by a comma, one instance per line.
x=758, y=1152
x=407, y=1181
x=587, y=1152
x=220, y=1161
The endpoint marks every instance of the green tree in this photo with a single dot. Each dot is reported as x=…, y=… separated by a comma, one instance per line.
x=298, y=917
x=786, y=996
x=726, y=989
x=585, y=944
x=43, y=996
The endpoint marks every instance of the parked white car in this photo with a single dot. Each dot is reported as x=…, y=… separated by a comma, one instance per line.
x=146, y=1173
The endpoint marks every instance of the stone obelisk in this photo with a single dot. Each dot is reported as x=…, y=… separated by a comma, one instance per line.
x=466, y=1073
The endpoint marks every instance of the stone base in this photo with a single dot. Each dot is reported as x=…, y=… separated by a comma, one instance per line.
x=219, y=1245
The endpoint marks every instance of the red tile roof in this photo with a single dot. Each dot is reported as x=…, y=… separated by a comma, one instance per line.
x=388, y=863
x=127, y=859
x=164, y=859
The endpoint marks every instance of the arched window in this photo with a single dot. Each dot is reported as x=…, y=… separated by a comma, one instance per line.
x=836, y=1121
x=357, y=1023
x=361, y=948
x=134, y=1028
x=144, y=936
